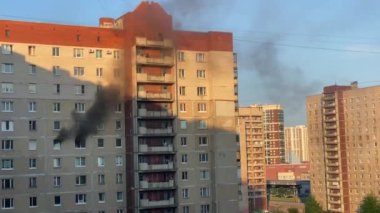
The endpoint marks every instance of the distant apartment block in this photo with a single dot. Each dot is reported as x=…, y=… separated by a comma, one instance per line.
x=296, y=144
x=343, y=127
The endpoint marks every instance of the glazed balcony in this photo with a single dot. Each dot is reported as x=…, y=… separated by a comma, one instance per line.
x=334, y=202
x=155, y=132
x=146, y=203
x=330, y=120
x=331, y=134
x=332, y=149
x=332, y=164
x=332, y=142
x=154, y=96
x=333, y=126
x=329, y=97
x=157, y=61
x=335, y=209
x=144, y=148
x=144, y=77
x=333, y=178
x=330, y=112
x=149, y=167
x=156, y=185
x=335, y=171
x=144, y=113
x=329, y=105
x=144, y=42
x=332, y=156
x=330, y=186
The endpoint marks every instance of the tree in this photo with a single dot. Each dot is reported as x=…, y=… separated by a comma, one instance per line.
x=276, y=211
x=369, y=204
x=312, y=206
x=293, y=210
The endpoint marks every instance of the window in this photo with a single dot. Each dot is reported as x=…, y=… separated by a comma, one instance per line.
x=101, y=161
x=80, y=143
x=119, y=211
x=78, y=37
x=203, y=141
x=184, y=158
x=99, y=72
x=116, y=73
x=185, y=193
x=205, y=192
x=7, y=106
x=32, y=201
x=78, y=71
x=32, y=88
x=182, y=91
x=6, y=164
x=202, y=124
x=201, y=73
x=32, y=125
x=57, y=200
x=200, y=57
x=182, y=107
x=205, y=175
x=32, y=163
x=80, y=107
x=118, y=107
x=32, y=182
x=184, y=176
x=78, y=53
x=7, y=183
x=181, y=73
x=100, y=126
x=80, y=180
x=57, y=107
x=80, y=199
x=57, y=181
x=7, y=203
x=7, y=88
x=201, y=91
x=119, y=196
x=119, y=178
x=101, y=179
x=101, y=197
x=7, y=126
x=183, y=141
x=7, y=144
x=100, y=143
x=118, y=125
x=56, y=125
x=183, y=124
x=202, y=107
x=32, y=69
x=116, y=54
x=181, y=56
x=57, y=88
x=205, y=208
x=98, y=53
x=32, y=50
x=118, y=143
x=7, y=68
x=55, y=51
x=57, y=162
x=203, y=157
x=56, y=70
x=80, y=161
x=6, y=49
x=119, y=160
x=32, y=106
x=57, y=145
x=80, y=89
x=186, y=209
x=32, y=145
x=7, y=33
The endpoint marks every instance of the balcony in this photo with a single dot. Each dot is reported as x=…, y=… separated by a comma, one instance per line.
x=333, y=171
x=146, y=203
x=332, y=164
x=156, y=185
x=329, y=112
x=332, y=149
x=333, y=179
x=144, y=113
x=332, y=156
x=329, y=97
x=333, y=186
x=331, y=134
x=144, y=42
x=334, y=201
x=154, y=96
x=334, y=194
x=148, y=167
x=144, y=77
x=330, y=126
x=155, y=132
x=332, y=142
x=330, y=120
x=335, y=209
x=162, y=61
x=152, y=149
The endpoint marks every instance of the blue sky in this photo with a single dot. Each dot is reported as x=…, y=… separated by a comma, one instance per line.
x=305, y=44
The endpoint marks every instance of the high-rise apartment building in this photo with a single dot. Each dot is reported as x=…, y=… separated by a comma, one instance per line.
x=168, y=147
x=343, y=132
x=296, y=145
x=252, y=159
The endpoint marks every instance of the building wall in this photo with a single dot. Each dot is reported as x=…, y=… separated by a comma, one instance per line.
x=296, y=144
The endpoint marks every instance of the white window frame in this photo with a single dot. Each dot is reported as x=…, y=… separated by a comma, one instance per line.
x=32, y=145
x=57, y=181
x=56, y=70
x=119, y=160
x=202, y=124
x=182, y=91
x=203, y=157
x=101, y=161
x=32, y=88
x=80, y=180
x=202, y=107
x=78, y=71
x=205, y=192
x=119, y=196
x=7, y=68
x=7, y=144
x=80, y=162
x=200, y=57
x=181, y=56
x=78, y=53
x=183, y=124
x=204, y=175
x=56, y=125
x=80, y=107
x=5, y=201
x=7, y=106
x=33, y=202
x=7, y=183
x=32, y=69
x=201, y=91
x=57, y=162
x=98, y=53
x=32, y=163
x=57, y=107
x=7, y=88
x=99, y=72
x=183, y=141
x=6, y=49
x=7, y=126
x=182, y=107
x=7, y=164
x=201, y=74
x=181, y=73
x=203, y=140
x=32, y=106
x=80, y=199
x=185, y=193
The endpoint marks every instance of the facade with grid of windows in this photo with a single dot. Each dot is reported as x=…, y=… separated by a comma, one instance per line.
x=169, y=147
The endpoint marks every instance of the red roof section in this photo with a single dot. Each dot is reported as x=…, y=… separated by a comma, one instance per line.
x=299, y=170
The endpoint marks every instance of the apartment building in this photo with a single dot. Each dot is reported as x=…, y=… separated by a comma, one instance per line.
x=252, y=159
x=296, y=144
x=168, y=147
x=344, y=151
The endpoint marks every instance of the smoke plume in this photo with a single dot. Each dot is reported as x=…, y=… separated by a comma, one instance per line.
x=84, y=125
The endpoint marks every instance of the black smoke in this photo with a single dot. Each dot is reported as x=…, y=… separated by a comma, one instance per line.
x=86, y=124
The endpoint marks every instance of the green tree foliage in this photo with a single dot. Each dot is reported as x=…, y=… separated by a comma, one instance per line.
x=312, y=206
x=276, y=211
x=293, y=210
x=369, y=204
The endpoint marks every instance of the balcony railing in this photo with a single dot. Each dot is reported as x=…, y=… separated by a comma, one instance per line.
x=334, y=201
x=165, y=43
x=333, y=171
x=332, y=142
x=332, y=156
x=146, y=148
x=333, y=186
x=331, y=134
x=335, y=209
x=328, y=105
x=334, y=194
x=154, y=114
x=329, y=97
x=162, y=61
x=160, y=131
x=156, y=185
x=156, y=203
x=165, y=166
x=332, y=149
x=332, y=164
x=144, y=77
x=154, y=96
x=330, y=127
x=332, y=178
x=330, y=120
x=330, y=112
